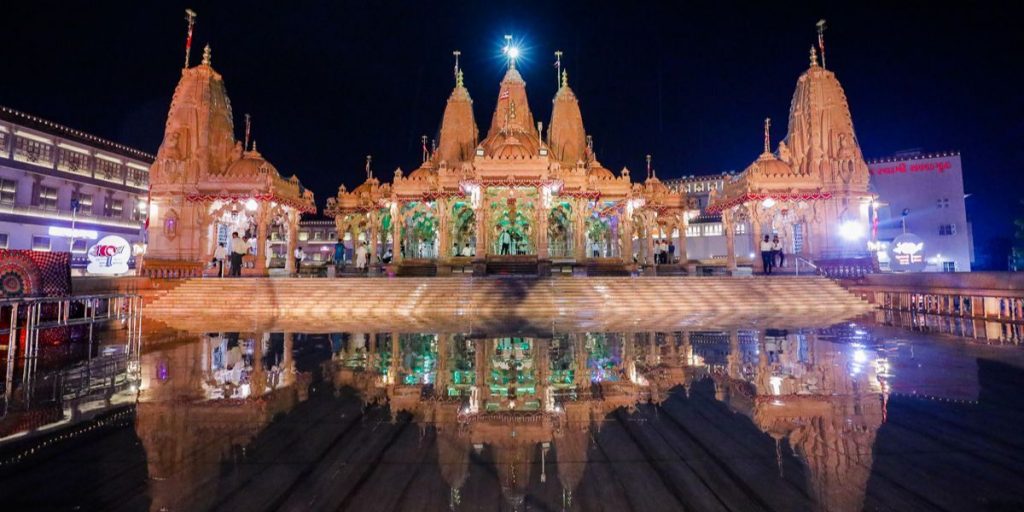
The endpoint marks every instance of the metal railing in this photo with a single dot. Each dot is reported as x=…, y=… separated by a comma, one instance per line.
x=807, y=263
x=23, y=320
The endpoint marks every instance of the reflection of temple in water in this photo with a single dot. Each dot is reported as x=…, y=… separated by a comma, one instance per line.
x=520, y=398
x=203, y=402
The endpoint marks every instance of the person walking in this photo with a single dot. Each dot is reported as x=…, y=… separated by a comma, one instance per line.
x=219, y=255
x=777, y=251
x=299, y=255
x=767, y=258
x=361, y=257
x=238, y=249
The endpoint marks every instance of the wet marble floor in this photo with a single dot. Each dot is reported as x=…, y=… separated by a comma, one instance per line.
x=859, y=415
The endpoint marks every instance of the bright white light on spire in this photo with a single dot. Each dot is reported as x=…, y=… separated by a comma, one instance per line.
x=513, y=52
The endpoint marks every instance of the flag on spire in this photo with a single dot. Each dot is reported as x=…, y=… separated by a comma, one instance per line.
x=821, y=40
x=190, y=16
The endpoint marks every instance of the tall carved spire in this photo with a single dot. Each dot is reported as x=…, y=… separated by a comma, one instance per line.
x=459, y=133
x=513, y=90
x=566, y=135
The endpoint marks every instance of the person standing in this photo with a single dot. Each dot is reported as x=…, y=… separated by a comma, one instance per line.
x=361, y=257
x=506, y=242
x=339, y=253
x=238, y=249
x=767, y=258
x=219, y=255
x=777, y=250
x=671, y=251
x=299, y=256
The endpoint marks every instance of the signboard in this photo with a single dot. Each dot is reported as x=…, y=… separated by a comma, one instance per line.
x=906, y=253
x=109, y=256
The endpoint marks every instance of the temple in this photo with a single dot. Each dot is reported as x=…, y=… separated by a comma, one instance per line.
x=814, y=189
x=519, y=199
x=205, y=185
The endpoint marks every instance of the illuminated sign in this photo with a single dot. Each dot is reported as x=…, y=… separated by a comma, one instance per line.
x=109, y=256
x=906, y=253
x=940, y=167
x=73, y=233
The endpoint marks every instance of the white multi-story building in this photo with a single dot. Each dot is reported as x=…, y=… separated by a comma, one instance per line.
x=47, y=169
x=923, y=194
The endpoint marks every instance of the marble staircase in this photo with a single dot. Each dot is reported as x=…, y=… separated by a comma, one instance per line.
x=457, y=297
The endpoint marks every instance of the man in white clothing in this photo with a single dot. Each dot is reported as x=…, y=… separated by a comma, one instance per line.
x=299, y=256
x=219, y=255
x=361, y=256
x=238, y=249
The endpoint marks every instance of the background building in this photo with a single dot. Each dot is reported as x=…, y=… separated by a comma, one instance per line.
x=923, y=194
x=46, y=168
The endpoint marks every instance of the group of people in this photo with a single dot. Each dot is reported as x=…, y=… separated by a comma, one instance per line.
x=664, y=251
x=233, y=253
x=771, y=251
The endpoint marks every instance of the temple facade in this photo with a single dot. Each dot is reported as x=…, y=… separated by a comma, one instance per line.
x=518, y=195
x=813, y=191
x=206, y=185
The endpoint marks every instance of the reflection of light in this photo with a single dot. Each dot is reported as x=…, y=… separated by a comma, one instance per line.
x=776, y=383
x=513, y=52
x=768, y=203
x=859, y=356
x=851, y=230
x=251, y=205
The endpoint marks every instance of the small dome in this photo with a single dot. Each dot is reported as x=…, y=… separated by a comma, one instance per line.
x=600, y=173
x=251, y=164
x=768, y=165
x=421, y=174
x=656, y=184
x=509, y=146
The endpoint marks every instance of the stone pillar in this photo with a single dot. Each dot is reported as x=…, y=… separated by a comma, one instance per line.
x=729, y=227
x=481, y=230
x=444, y=242
x=649, y=227
x=681, y=225
x=292, y=218
x=626, y=238
x=579, y=230
x=374, y=235
x=542, y=231
x=755, y=228
x=262, y=228
x=397, y=222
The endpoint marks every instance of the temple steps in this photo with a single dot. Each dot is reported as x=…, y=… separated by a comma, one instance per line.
x=592, y=296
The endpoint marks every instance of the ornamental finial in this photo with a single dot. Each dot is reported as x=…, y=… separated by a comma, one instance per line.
x=565, y=78
x=207, y=55
x=814, y=57
x=458, y=78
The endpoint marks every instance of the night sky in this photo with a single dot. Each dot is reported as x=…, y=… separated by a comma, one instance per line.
x=330, y=82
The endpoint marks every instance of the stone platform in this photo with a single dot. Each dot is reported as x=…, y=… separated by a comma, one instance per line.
x=598, y=302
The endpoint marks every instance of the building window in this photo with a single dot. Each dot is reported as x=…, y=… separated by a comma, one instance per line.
x=712, y=230
x=79, y=246
x=949, y=266
x=8, y=191
x=942, y=203
x=692, y=231
x=46, y=197
x=40, y=243
x=303, y=236
x=84, y=203
x=318, y=235
x=72, y=161
x=333, y=235
x=33, y=151
x=108, y=170
x=114, y=208
x=947, y=229
x=741, y=229
x=3, y=240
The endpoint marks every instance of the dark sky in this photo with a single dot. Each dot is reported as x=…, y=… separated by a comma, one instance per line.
x=689, y=82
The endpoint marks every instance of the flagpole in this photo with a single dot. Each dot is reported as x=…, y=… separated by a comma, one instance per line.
x=821, y=41
x=190, y=16
x=558, y=69
x=248, y=127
